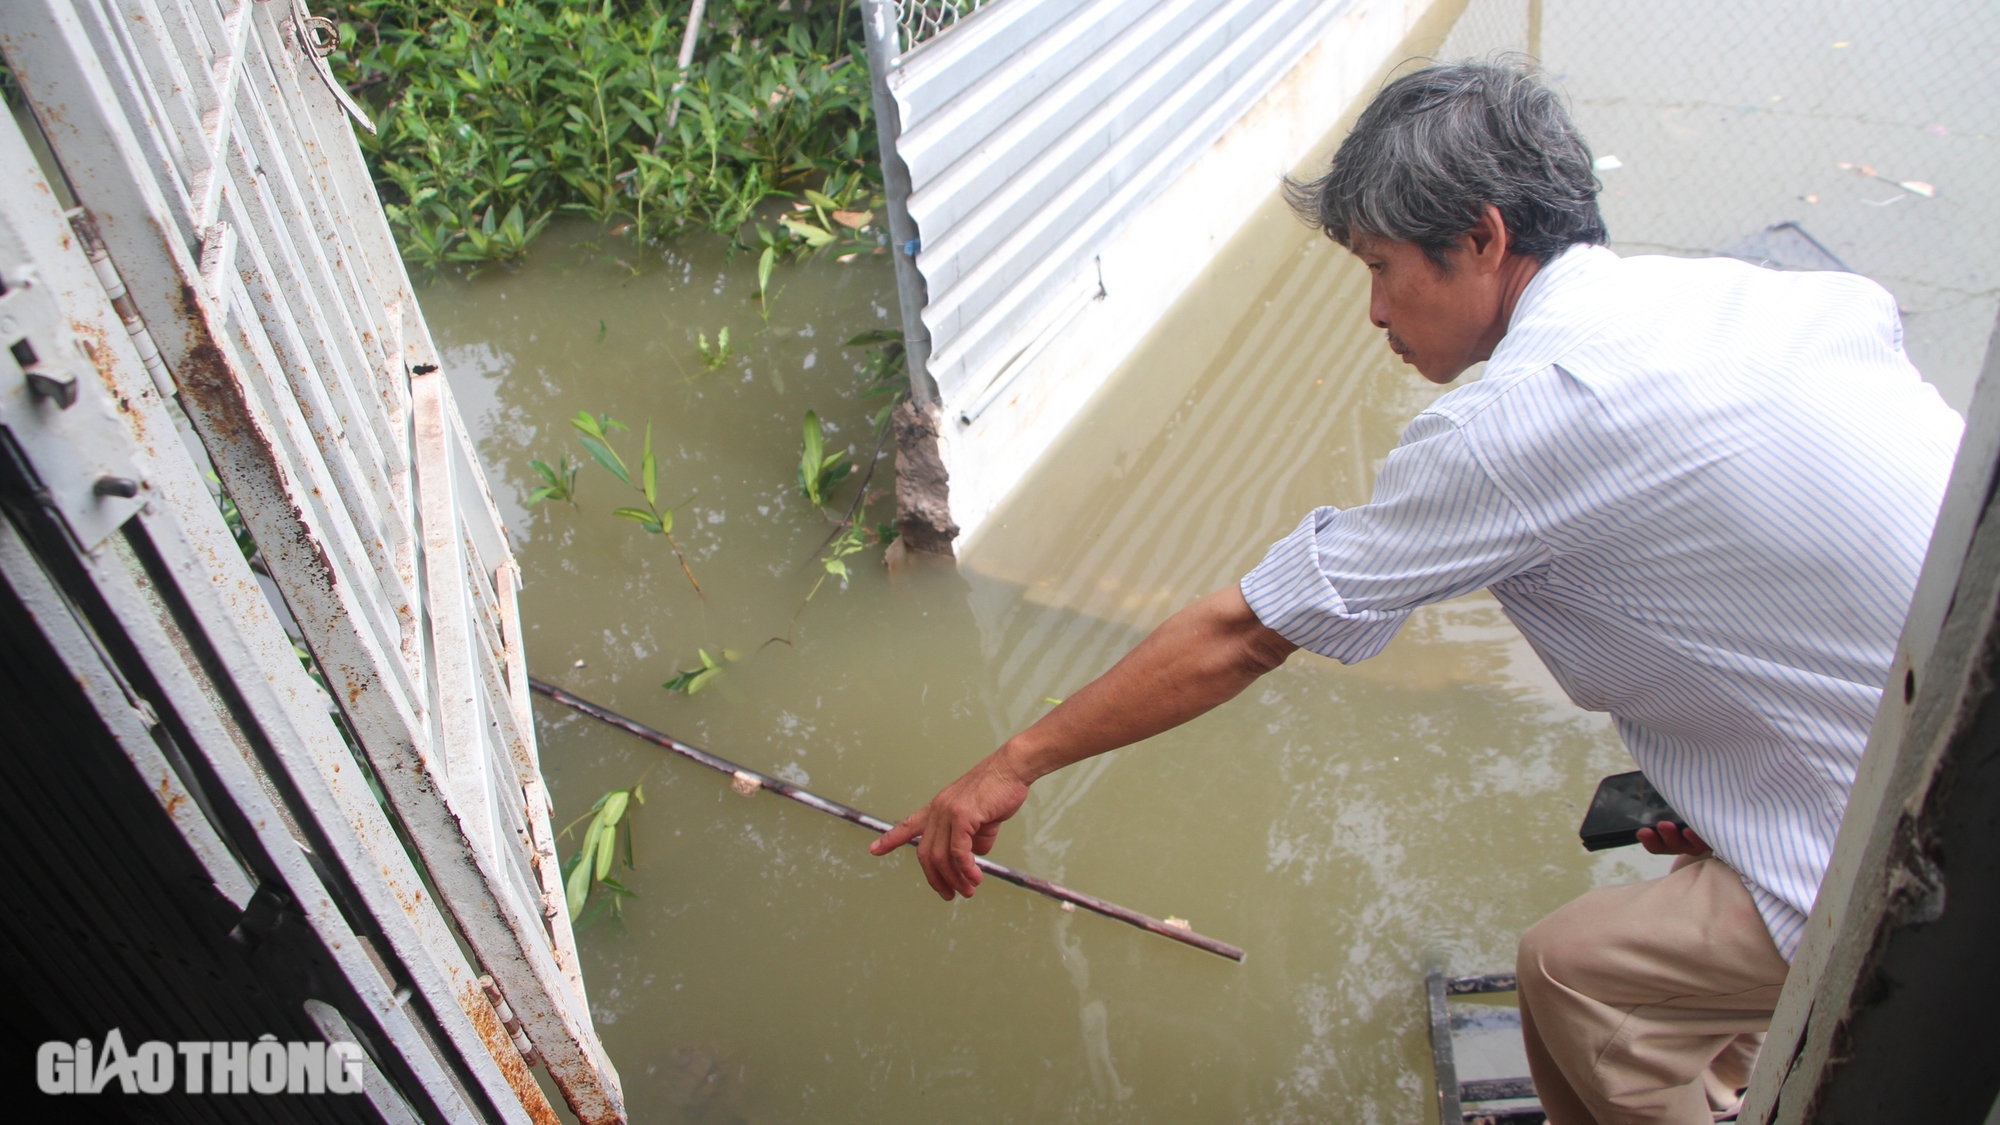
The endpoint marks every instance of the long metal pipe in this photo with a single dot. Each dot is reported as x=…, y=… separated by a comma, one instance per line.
x=750, y=781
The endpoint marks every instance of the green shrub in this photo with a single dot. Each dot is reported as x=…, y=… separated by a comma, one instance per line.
x=494, y=116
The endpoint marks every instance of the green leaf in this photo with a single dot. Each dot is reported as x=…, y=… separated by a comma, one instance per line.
x=821, y=201
x=607, y=845
x=614, y=807
x=814, y=236
x=642, y=517
x=577, y=889
x=765, y=261
x=812, y=458
x=607, y=457
x=649, y=470
x=692, y=681
x=603, y=906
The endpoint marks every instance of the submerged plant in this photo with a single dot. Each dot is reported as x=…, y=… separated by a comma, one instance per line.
x=836, y=224
x=767, y=260
x=833, y=563
x=596, y=431
x=590, y=868
x=691, y=681
x=558, y=480
x=505, y=242
x=848, y=539
x=820, y=471
x=719, y=355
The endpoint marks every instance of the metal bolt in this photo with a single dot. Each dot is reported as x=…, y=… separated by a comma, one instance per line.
x=124, y=487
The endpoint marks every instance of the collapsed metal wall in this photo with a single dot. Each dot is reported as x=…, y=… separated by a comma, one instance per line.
x=228, y=267
x=1032, y=129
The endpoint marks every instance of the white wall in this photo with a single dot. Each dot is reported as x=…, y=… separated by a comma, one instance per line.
x=1147, y=259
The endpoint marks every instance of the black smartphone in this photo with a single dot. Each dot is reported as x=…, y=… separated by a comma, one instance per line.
x=1625, y=803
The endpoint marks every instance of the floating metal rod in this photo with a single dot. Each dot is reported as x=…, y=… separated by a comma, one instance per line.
x=749, y=781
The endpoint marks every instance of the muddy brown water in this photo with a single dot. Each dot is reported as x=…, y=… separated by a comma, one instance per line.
x=1342, y=825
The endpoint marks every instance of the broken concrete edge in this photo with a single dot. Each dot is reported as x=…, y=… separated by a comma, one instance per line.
x=923, y=488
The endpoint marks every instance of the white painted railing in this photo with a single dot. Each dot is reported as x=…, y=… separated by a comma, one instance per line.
x=227, y=209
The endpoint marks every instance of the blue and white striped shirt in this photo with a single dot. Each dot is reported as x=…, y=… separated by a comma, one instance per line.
x=1702, y=491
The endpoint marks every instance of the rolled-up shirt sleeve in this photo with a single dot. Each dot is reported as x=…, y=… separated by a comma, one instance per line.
x=1344, y=581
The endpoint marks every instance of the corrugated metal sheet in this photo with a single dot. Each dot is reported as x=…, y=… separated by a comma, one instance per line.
x=1033, y=128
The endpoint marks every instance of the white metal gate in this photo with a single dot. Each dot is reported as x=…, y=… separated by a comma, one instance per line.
x=243, y=267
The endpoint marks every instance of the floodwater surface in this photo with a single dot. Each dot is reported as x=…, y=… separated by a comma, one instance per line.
x=1343, y=825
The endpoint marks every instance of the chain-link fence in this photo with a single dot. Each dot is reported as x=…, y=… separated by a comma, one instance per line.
x=1873, y=127
x=921, y=20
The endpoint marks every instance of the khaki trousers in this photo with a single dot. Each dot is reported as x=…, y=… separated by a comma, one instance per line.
x=1648, y=1002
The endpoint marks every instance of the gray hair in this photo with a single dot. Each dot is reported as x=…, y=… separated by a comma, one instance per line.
x=1436, y=146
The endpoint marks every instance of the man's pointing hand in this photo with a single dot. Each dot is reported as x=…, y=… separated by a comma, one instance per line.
x=1196, y=659
x=959, y=823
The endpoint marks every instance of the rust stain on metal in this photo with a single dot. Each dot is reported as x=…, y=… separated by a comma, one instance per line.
x=514, y=1068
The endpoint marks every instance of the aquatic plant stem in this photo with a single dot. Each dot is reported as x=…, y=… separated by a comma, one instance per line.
x=860, y=495
x=787, y=790
x=685, y=569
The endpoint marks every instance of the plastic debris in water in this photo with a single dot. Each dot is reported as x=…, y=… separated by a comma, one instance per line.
x=578, y=664
x=1842, y=43
x=1914, y=187
x=1606, y=164
x=746, y=783
x=1069, y=907
x=1181, y=924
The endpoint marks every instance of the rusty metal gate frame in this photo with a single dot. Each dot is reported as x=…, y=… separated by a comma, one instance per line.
x=229, y=214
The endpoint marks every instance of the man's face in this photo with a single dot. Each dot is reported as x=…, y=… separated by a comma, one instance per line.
x=1440, y=321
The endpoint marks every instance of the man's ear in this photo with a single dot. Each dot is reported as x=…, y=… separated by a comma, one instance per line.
x=1487, y=240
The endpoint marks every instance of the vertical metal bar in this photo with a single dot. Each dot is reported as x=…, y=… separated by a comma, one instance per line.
x=878, y=18
x=548, y=869
x=1443, y=1066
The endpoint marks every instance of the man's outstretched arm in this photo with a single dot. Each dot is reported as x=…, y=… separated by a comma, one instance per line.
x=1200, y=657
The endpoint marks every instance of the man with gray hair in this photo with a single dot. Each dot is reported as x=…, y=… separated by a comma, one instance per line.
x=1702, y=491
